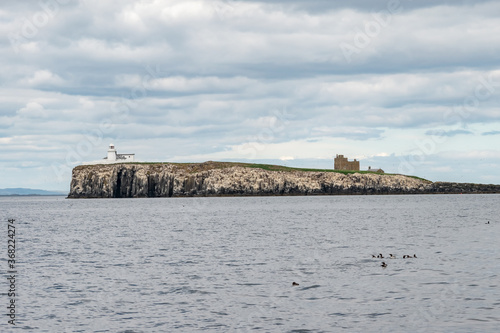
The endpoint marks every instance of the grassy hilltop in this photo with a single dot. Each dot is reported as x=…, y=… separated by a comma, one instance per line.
x=210, y=165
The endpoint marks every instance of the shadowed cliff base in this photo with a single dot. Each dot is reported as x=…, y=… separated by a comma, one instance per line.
x=142, y=180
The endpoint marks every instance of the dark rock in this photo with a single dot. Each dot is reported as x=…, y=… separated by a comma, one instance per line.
x=219, y=179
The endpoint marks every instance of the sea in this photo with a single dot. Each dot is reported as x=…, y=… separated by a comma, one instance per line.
x=227, y=264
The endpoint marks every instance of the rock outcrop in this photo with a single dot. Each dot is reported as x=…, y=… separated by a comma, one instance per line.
x=230, y=179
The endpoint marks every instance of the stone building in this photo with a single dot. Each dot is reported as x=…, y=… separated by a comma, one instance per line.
x=113, y=156
x=342, y=163
x=377, y=170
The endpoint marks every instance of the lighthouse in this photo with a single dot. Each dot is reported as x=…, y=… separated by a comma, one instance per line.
x=114, y=157
x=111, y=153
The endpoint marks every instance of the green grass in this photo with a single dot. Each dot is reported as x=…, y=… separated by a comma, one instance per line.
x=199, y=167
x=345, y=172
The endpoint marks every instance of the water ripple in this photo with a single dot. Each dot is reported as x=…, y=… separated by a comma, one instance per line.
x=169, y=265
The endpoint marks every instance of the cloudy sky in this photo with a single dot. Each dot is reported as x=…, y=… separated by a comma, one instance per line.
x=412, y=87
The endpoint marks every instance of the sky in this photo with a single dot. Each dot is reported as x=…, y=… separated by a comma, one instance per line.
x=411, y=87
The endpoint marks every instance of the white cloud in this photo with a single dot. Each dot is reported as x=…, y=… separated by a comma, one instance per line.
x=202, y=79
x=32, y=110
x=477, y=155
x=44, y=77
x=86, y=103
x=196, y=84
x=442, y=169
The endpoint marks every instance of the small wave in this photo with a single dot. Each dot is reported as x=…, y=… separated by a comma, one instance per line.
x=186, y=290
x=311, y=287
x=476, y=319
x=377, y=314
x=249, y=284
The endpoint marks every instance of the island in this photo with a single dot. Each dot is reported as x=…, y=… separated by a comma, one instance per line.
x=143, y=180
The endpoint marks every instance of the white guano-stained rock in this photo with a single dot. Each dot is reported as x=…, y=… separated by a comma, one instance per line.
x=218, y=179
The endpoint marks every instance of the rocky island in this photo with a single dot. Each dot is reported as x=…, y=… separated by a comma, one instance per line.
x=141, y=180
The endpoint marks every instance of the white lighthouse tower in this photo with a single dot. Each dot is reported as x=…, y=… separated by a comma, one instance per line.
x=111, y=153
x=113, y=157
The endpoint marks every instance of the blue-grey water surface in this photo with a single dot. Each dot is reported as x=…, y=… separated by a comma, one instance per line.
x=227, y=264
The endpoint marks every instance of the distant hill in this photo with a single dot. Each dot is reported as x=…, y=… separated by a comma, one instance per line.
x=29, y=191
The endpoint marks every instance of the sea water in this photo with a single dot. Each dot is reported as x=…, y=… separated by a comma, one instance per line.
x=227, y=264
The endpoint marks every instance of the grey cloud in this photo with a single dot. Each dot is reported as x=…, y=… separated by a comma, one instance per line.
x=215, y=48
x=491, y=133
x=224, y=66
x=448, y=133
x=360, y=134
x=318, y=6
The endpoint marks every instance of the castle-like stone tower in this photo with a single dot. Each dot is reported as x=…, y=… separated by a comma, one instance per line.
x=342, y=163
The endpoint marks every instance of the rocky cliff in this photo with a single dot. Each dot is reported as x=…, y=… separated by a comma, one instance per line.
x=218, y=179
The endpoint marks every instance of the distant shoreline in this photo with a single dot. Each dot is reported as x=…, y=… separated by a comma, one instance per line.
x=33, y=195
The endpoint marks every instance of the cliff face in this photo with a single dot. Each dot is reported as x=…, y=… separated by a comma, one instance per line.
x=216, y=179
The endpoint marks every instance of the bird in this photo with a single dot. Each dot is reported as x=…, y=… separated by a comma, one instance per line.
x=295, y=284
x=384, y=265
x=405, y=256
x=380, y=256
x=392, y=256
x=488, y=222
x=414, y=256
x=373, y=256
